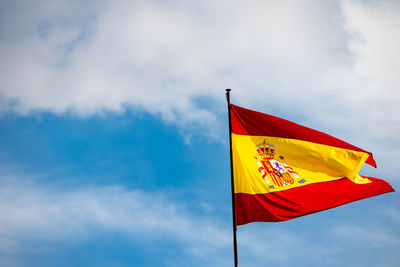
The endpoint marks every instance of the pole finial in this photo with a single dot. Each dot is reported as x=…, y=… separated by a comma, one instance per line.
x=228, y=97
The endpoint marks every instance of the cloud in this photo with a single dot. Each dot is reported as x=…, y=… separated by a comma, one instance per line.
x=375, y=237
x=44, y=213
x=281, y=247
x=374, y=35
x=91, y=58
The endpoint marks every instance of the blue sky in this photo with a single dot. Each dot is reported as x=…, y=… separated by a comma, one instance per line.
x=113, y=128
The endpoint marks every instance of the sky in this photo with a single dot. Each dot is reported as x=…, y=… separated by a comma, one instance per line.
x=114, y=143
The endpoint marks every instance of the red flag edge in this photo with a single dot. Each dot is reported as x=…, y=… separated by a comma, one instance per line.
x=289, y=204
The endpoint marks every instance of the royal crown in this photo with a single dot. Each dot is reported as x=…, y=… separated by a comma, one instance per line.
x=265, y=150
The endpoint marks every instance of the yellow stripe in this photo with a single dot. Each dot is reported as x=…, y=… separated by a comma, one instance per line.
x=312, y=162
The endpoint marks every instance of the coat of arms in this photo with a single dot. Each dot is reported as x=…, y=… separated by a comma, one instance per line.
x=276, y=172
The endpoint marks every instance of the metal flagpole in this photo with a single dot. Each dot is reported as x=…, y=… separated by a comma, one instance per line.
x=228, y=99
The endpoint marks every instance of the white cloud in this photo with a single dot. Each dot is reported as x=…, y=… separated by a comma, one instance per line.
x=375, y=237
x=375, y=37
x=42, y=213
x=162, y=56
x=280, y=247
x=331, y=65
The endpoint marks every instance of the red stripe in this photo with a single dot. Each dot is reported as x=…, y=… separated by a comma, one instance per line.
x=250, y=122
x=300, y=201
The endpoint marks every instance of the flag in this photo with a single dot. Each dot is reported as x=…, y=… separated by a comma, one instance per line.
x=283, y=170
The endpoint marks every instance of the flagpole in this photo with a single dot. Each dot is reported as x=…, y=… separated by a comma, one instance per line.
x=228, y=99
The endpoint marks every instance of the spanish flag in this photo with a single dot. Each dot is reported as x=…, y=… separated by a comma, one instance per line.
x=282, y=170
